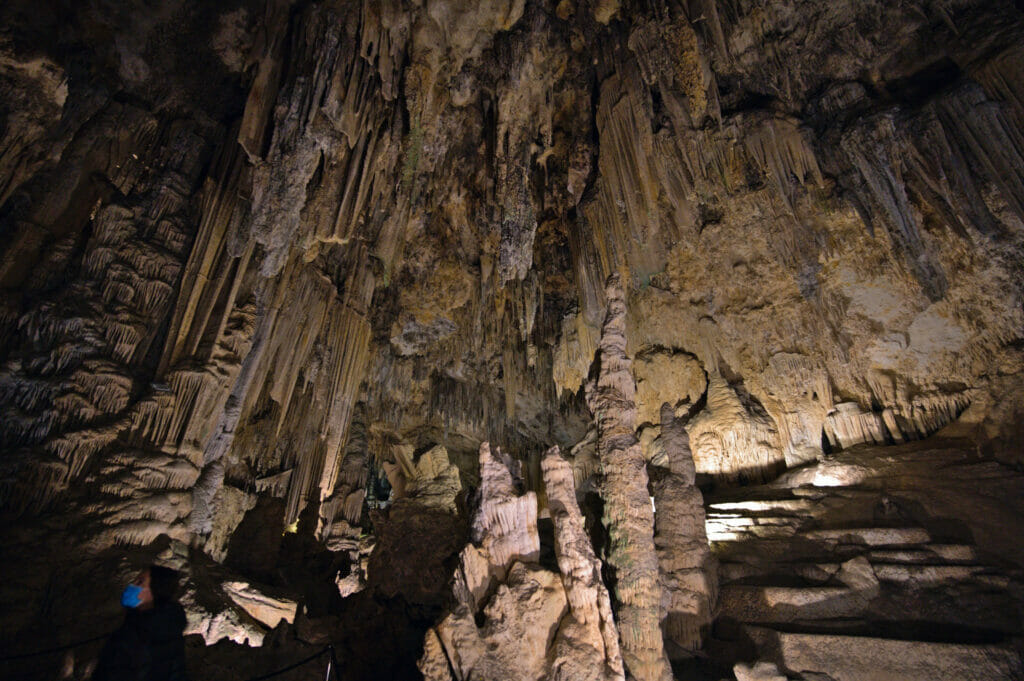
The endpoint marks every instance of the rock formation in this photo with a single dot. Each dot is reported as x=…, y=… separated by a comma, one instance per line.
x=272, y=271
x=509, y=612
x=688, y=571
x=591, y=624
x=628, y=515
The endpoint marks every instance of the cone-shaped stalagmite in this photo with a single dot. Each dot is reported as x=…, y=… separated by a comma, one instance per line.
x=628, y=515
x=688, y=570
x=591, y=613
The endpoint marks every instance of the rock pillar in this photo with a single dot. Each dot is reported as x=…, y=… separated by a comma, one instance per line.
x=628, y=514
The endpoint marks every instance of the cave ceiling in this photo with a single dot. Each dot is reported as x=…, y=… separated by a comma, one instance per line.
x=271, y=249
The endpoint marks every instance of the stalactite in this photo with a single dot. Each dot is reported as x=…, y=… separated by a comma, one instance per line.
x=846, y=425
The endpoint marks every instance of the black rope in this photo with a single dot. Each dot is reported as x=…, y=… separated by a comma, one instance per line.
x=293, y=666
x=24, y=656
x=319, y=653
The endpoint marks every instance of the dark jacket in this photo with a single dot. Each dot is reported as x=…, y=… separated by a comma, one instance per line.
x=149, y=646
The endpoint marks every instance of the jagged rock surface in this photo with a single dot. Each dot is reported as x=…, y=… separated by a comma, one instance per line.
x=515, y=615
x=689, y=573
x=628, y=515
x=592, y=624
x=876, y=576
x=258, y=259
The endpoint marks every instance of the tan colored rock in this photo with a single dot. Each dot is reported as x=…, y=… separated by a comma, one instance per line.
x=688, y=570
x=436, y=481
x=733, y=438
x=847, y=424
x=474, y=577
x=574, y=353
x=854, y=658
x=520, y=622
x=628, y=515
x=592, y=624
x=231, y=504
x=433, y=664
x=269, y=610
x=505, y=523
x=508, y=614
x=604, y=10
x=216, y=620
x=666, y=377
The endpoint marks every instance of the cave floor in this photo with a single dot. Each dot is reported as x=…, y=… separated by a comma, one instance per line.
x=900, y=562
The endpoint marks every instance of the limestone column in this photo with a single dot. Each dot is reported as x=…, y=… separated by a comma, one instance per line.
x=591, y=624
x=688, y=570
x=628, y=515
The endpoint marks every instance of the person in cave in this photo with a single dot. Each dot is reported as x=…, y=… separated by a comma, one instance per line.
x=150, y=644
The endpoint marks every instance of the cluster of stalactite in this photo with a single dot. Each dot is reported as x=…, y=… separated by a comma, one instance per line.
x=395, y=233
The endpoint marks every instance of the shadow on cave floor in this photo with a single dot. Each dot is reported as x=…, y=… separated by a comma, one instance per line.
x=912, y=543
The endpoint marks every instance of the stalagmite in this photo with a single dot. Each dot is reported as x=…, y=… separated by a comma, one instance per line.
x=627, y=507
x=592, y=622
x=510, y=613
x=688, y=570
x=306, y=290
x=505, y=523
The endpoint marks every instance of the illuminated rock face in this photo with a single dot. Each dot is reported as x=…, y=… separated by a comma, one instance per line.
x=358, y=223
x=509, y=612
x=835, y=550
x=689, y=574
x=275, y=259
x=628, y=515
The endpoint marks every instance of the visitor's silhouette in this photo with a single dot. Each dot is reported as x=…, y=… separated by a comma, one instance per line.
x=149, y=645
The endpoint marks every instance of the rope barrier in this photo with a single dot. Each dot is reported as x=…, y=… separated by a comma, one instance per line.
x=332, y=663
x=297, y=664
x=25, y=656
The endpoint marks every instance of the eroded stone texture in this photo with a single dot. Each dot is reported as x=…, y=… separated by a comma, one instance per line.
x=628, y=515
x=733, y=437
x=505, y=523
x=264, y=258
x=689, y=572
x=592, y=623
x=514, y=615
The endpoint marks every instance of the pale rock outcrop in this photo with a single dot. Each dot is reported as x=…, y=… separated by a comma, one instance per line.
x=847, y=424
x=262, y=606
x=216, y=619
x=359, y=547
x=512, y=614
x=591, y=624
x=222, y=229
x=628, y=515
x=419, y=534
x=232, y=504
x=524, y=610
x=734, y=438
x=505, y=524
x=662, y=377
x=435, y=482
x=521, y=619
